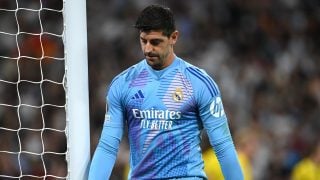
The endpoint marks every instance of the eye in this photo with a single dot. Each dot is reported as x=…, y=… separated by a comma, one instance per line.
x=155, y=42
x=143, y=41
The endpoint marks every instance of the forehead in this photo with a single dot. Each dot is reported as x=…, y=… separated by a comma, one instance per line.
x=152, y=35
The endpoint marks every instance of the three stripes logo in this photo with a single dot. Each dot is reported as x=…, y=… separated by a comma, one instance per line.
x=138, y=95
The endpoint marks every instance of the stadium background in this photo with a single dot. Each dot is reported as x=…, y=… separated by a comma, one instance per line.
x=263, y=54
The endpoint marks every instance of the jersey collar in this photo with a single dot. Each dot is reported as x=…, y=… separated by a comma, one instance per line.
x=158, y=74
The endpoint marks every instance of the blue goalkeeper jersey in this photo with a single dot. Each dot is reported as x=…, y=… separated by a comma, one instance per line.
x=165, y=112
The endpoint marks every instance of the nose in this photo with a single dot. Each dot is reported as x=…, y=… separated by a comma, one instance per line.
x=148, y=48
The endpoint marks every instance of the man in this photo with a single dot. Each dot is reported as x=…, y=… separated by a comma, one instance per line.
x=165, y=102
x=308, y=167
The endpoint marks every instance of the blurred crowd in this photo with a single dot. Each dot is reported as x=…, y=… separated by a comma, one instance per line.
x=263, y=55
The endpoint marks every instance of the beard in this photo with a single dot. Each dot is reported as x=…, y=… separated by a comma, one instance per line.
x=155, y=60
x=155, y=63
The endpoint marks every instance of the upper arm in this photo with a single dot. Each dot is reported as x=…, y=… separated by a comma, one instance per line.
x=114, y=117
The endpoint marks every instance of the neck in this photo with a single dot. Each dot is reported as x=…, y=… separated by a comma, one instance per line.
x=169, y=60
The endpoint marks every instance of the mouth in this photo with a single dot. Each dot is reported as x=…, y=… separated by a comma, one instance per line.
x=151, y=57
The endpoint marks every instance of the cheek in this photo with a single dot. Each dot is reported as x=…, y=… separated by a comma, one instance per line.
x=142, y=46
x=167, y=50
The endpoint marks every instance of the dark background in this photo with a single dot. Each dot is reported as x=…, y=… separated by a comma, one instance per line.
x=264, y=55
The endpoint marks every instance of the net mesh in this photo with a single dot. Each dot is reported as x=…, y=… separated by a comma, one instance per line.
x=33, y=143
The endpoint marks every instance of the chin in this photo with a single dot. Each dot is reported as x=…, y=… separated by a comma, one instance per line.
x=153, y=65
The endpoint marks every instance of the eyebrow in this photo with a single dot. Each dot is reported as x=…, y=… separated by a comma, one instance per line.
x=158, y=39
x=152, y=41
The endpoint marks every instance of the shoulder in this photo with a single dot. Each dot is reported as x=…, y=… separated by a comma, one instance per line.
x=127, y=75
x=193, y=70
x=304, y=170
x=304, y=164
x=200, y=78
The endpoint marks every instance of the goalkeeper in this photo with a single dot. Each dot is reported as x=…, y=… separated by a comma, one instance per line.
x=165, y=103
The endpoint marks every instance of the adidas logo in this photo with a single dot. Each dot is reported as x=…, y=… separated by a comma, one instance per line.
x=138, y=95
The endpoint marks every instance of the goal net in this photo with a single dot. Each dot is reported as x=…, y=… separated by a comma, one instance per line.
x=36, y=130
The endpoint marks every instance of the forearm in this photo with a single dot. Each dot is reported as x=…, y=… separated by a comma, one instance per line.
x=229, y=161
x=104, y=156
x=225, y=151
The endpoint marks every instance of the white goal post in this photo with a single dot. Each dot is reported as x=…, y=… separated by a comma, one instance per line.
x=44, y=93
x=77, y=89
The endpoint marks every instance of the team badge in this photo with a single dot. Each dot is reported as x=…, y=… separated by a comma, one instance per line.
x=177, y=95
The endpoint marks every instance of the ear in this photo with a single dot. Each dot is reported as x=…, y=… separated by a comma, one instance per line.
x=174, y=37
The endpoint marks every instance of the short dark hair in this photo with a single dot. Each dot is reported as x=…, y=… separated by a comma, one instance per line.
x=156, y=17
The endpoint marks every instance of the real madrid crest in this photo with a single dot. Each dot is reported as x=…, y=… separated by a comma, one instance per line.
x=177, y=95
